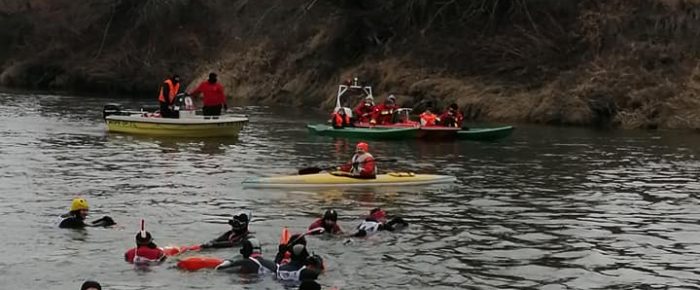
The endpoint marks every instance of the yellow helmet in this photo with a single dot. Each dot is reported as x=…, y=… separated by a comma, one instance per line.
x=78, y=204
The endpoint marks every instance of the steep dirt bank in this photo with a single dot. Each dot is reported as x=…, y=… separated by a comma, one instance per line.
x=603, y=63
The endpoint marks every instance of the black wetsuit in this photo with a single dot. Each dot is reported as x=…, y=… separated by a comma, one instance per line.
x=73, y=220
x=295, y=270
x=249, y=265
x=226, y=240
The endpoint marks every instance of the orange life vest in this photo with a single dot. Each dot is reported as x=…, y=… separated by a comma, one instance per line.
x=428, y=119
x=339, y=121
x=171, y=95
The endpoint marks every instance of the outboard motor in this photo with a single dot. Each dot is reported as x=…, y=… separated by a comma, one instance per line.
x=111, y=109
x=183, y=101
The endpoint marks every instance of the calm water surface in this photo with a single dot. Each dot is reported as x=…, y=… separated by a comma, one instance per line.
x=549, y=208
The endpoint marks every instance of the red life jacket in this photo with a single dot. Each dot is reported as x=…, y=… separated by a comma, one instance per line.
x=144, y=255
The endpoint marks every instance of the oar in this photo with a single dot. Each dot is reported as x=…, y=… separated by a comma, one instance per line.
x=314, y=170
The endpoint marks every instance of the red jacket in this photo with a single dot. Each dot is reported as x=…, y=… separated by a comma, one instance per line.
x=383, y=113
x=213, y=93
x=363, y=113
x=451, y=120
x=318, y=223
x=146, y=255
x=361, y=166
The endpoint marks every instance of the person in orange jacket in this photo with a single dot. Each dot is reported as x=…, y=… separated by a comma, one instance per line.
x=166, y=97
x=362, y=164
x=384, y=113
x=340, y=120
x=452, y=117
x=427, y=118
x=363, y=111
x=214, y=99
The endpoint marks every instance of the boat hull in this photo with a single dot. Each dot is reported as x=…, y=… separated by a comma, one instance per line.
x=485, y=134
x=364, y=133
x=448, y=133
x=324, y=180
x=185, y=127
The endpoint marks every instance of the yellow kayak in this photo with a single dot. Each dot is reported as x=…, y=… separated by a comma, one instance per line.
x=328, y=180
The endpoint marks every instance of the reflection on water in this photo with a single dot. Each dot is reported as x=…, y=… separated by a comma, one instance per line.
x=549, y=208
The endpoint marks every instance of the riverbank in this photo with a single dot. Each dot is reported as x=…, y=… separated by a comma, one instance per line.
x=591, y=63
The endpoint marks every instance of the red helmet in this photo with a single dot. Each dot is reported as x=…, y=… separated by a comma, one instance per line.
x=377, y=214
x=362, y=146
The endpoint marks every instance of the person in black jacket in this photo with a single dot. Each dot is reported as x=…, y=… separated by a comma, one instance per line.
x=75, y=218
x=234, y=237
x=252, y=261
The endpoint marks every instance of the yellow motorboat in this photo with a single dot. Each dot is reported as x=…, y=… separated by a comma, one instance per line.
x=188, y=125
x=326, y=179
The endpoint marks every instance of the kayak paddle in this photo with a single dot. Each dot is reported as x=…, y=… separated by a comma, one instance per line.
x=314, y=170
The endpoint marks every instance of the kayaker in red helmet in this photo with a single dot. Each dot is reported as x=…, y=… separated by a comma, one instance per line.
x=377, y=221
x=361, y=165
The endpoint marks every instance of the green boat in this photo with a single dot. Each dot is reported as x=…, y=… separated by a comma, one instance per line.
x=364, y=133
x=485, y=134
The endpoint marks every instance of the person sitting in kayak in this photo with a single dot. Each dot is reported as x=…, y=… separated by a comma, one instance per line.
x=238, y=233
x=452, y=117
x=340, y=119
x=376, y=221
x=364, y=110
x=384, y=113
x=75, y=218
x=361, y=165
x=146, y=251
x=252, y=261
x=329, y=223
x=427, y=118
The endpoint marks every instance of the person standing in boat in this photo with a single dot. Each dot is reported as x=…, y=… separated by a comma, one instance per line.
x=340, y=119
x=214, y=99
x=452, y=117
x=238, y=233
x=363, y=111
x=75, y=218
x=384, y=113
x=361, y=165
x=166, y=97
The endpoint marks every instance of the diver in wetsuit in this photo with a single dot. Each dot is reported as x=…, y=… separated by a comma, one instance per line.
x=75, y=218
x=238, y=233
x=376, y=221
x=300, y=265
x=252, y=261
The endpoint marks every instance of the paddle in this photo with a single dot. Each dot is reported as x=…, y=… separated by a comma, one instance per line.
x=314, y=170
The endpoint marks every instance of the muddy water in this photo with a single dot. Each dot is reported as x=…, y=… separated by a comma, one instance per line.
x=549, y=208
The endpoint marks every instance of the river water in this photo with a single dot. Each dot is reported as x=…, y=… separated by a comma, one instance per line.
x=548, y=208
